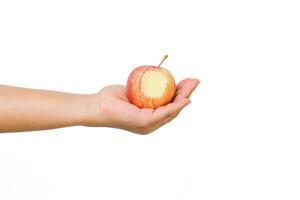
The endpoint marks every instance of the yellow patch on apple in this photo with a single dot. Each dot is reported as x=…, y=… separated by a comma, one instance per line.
x=153, y=84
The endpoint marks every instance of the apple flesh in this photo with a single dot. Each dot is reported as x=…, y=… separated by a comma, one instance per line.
x=150, y=87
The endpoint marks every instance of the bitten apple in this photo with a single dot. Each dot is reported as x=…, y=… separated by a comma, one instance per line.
x=151, y=86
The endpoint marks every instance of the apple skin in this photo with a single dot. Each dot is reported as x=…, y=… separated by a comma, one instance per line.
x=138, y=98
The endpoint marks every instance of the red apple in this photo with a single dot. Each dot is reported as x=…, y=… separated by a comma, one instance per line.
x=151, y=86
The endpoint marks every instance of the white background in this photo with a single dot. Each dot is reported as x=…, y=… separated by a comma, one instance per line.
x=239, y=139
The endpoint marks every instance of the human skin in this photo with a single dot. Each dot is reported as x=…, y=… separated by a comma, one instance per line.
x=23, y=109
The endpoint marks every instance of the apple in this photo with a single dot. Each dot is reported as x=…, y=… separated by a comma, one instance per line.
x=150, y=86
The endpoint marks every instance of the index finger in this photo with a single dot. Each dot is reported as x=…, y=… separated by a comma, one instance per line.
x=185, y=88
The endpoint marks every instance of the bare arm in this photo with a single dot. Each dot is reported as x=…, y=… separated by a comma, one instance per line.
x=24, y=109
x=28, y=109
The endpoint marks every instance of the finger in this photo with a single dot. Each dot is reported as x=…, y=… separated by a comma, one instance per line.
x=167, y=120
x=181, y=83
x=167, y=111
x=186, y=88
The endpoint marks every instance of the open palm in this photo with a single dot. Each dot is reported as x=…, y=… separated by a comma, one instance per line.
x=116, y=110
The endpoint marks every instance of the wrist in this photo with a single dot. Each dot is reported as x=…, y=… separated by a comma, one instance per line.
x=89, y=111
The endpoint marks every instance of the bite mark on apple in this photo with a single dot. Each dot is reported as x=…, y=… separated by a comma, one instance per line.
x=153, y=84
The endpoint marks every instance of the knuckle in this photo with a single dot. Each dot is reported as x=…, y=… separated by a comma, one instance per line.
x=145, y=125
x=169, y=114
x=144, y=131
x=144, y=128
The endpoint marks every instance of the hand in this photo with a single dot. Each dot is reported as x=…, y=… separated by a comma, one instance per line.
x=115, y=110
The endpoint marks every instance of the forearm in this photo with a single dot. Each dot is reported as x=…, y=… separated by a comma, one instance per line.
x=27, y=109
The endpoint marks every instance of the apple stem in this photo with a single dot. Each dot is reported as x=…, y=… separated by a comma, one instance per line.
x=164, y=58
